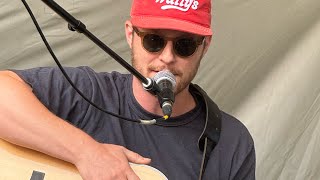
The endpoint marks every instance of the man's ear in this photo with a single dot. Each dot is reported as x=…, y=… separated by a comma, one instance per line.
x=129, y=32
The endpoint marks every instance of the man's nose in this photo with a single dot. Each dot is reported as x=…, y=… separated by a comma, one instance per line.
x=167, y=54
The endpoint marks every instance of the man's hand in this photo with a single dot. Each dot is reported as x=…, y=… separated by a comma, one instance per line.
x=108, y=162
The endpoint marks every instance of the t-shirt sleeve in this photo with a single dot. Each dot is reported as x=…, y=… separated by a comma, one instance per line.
x=247, y=169
x=54, y=91
x=238, y=149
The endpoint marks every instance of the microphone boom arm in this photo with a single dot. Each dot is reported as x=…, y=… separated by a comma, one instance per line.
x=77, y=25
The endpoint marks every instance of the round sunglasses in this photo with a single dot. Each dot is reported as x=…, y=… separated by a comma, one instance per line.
x=183, y=46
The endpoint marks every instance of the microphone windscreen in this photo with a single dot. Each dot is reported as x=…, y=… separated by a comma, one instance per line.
x=165, y=75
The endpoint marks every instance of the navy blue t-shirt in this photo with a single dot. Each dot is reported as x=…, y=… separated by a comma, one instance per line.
x=172, y=145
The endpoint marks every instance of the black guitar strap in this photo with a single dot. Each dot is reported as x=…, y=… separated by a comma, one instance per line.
x=211, y=133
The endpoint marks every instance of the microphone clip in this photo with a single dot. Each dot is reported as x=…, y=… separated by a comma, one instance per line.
x=152, y=87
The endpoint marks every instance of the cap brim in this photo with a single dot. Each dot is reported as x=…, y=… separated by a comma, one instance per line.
x=169, y=23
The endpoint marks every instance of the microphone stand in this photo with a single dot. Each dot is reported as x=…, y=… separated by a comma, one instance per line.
x=77, y=25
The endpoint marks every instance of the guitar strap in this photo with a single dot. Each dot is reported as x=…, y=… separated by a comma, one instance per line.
x=211, y=133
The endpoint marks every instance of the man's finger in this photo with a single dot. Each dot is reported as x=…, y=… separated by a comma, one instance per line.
x=135, y=157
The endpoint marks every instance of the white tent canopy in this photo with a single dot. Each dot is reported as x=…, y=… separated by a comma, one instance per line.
x=263, y=66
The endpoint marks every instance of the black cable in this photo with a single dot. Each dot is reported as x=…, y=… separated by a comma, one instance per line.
x=71, y=83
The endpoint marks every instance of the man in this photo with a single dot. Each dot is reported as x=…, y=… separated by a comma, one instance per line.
x=51, y=117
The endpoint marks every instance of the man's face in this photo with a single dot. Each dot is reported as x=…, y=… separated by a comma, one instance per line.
x=148, y=64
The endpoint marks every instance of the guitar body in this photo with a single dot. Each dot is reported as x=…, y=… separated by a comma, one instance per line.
x=18, y=163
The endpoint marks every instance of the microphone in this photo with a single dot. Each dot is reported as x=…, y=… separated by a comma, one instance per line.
x=166, y=82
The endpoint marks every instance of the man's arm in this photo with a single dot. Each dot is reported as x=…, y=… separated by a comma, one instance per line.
x=25, y=121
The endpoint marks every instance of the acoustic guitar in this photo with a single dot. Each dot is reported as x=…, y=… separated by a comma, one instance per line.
x=19, y=163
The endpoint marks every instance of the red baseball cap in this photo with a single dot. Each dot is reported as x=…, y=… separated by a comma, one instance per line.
x=193, y=16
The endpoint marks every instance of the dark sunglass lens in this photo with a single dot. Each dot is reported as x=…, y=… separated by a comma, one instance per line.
x=185, y=46
x=153, y=42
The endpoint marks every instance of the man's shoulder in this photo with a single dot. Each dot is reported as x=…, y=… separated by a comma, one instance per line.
x=232, y=121
x=81, y=76
x=233, y=128
x=114, y=75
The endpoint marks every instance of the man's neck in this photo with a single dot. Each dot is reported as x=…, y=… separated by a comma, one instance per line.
x=184, y=101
